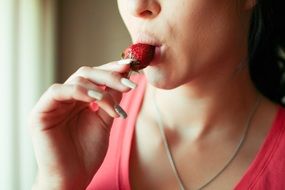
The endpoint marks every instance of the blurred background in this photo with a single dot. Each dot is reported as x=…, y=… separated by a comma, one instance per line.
x=42, y=42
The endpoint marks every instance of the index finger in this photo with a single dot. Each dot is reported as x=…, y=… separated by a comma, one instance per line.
x=120, y=66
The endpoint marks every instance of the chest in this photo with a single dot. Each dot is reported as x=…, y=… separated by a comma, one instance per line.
x=150, y=167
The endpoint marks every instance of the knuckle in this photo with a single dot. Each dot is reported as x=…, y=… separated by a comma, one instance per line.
x=97, y=67
x=54, y=87
x=115, y=76
x=77, y=89
x=79, y=80
x=83, y=69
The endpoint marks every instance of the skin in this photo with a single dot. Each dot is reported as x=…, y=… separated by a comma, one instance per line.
x=203, y=46
x=198, y=38
x=201, y=72
x=70, y=139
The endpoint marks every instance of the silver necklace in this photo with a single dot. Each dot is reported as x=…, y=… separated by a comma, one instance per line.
x=233, y=156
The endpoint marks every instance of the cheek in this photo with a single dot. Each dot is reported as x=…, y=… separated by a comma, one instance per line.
x=209, y=32
x=200, y=39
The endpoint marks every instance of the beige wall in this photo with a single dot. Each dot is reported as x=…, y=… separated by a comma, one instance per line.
x=90, y=32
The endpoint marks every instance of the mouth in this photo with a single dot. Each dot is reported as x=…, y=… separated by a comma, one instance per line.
x=146, y=38
x=150, y=39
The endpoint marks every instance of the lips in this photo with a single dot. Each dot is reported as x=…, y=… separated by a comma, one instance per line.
x=141, y=53
x=147, y=38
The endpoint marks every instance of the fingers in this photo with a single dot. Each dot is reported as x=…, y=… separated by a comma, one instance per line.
x=69, y=93
x=107, y=100
x=110, y=75
x=102, y=77
x=85, y=86
x=120, y=66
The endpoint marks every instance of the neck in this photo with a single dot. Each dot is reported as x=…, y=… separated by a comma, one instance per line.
x=206, y=104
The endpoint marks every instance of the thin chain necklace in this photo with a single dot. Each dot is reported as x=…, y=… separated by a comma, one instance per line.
x=235, y=152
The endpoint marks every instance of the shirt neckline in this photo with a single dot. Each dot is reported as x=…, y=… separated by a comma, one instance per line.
x=264, y=154
x=256, y=167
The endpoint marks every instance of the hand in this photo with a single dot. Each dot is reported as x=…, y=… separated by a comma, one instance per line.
x=70, y=139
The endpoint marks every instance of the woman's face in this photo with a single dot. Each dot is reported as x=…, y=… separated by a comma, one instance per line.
x=194, y=39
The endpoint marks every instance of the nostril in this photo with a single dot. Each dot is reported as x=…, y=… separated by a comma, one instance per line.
x=145, y=9
x=146, y=13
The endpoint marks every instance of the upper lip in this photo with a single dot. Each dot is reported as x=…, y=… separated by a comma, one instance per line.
x=147, y=38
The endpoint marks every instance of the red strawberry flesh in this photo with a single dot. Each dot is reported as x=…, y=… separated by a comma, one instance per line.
x=142, y=54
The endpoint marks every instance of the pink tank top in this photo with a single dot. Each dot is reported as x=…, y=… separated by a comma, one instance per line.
x=266, y=172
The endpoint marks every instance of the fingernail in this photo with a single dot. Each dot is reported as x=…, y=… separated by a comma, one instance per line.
x=125, y=61
x=119, y=110
x=94, y=94
x=128, y=83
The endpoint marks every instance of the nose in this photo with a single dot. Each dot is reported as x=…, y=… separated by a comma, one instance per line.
x=144, y=8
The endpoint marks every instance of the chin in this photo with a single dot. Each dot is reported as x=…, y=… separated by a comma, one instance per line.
x=161, y=80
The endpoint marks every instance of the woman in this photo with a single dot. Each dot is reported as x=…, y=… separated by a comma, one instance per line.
x=201, y=117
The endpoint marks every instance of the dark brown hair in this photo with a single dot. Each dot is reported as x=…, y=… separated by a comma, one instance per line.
x=266, y=44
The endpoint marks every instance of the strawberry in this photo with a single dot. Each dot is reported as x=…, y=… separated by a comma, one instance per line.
x=142, y=53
